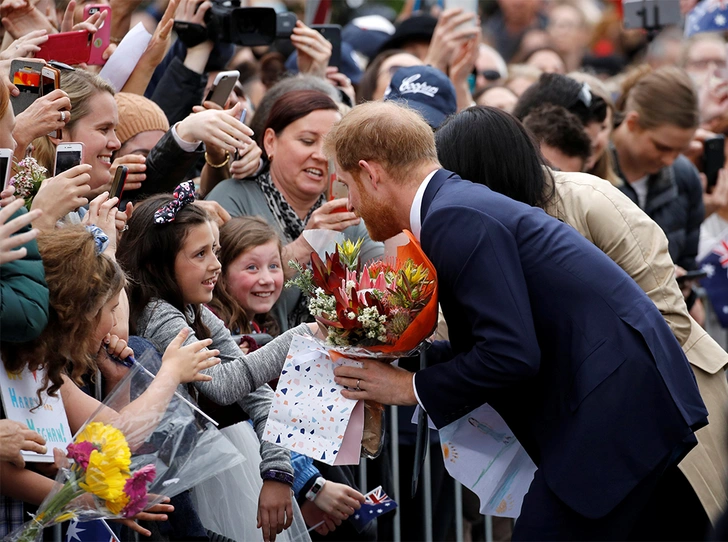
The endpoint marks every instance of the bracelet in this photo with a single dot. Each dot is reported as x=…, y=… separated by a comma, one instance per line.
x=115, y=41
x=217, y=166
x=278, y=476
x=316, y=488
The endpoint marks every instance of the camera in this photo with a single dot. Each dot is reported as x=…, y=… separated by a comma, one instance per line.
x=650, y=14
x=227, y=22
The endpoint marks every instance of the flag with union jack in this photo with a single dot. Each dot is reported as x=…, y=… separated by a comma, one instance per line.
x=715, y=283
x=376, y=503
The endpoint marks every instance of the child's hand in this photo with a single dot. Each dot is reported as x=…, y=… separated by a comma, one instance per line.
x=338, y=500
x=316, y=518
x=275, y=510
x=188, y=361
x=117, y=347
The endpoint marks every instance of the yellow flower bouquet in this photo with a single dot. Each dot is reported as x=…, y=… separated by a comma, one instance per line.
x=101, y=471
x=124, y=461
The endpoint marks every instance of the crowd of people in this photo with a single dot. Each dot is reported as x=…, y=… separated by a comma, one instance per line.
x=553, y=166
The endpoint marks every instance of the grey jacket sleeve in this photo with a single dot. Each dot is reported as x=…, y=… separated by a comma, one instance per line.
x=257, y=405
x=237, y=375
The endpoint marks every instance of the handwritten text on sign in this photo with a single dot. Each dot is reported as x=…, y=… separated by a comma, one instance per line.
x=20, y=403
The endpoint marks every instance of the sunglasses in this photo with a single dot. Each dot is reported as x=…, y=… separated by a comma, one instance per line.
x=491, y=75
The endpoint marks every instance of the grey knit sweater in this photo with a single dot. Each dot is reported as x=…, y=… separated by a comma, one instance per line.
x=239, y=378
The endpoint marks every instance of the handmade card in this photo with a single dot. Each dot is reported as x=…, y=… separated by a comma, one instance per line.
x=481, y=452
x=309, y=415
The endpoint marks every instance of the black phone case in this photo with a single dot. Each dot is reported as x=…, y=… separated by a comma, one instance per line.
x=713, y=158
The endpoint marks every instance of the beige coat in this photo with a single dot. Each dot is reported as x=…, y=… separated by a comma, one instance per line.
x=610, y=220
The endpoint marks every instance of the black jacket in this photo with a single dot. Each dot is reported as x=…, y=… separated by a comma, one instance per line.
x=675, y=202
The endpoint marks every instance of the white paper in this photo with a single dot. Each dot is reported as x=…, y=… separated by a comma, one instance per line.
x=481, y=452
x=308, y=414
x=19, y=397
x=118, y=68
x=323, y=241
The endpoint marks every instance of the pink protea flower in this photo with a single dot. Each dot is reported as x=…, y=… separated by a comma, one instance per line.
x=136, y=488
x=80, y=452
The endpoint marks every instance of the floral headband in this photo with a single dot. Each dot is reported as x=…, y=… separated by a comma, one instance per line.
x=183, y=195
x=100, y=238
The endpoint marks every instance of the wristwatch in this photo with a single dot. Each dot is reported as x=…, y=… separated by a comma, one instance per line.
x=317, y=486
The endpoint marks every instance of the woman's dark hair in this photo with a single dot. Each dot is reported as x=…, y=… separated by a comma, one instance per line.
x=368, y=82
x=147, y=252
x=295, y=105
x=488, y=146
x=556, y=127
x=557, y=89
x=237, y=236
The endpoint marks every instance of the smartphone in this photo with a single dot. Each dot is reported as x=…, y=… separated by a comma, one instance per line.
x=243, y=115
x=468, y=6
x=26, y=75
x=713, y=158
x=68, y=155
x=50, y=81
x=222, y=87
x=692, y=275
x=332, y=33
x=6, y=166
x=102, y=37
x=69, y=47
x=285, y=23
x=650, y=14
x=117, y=185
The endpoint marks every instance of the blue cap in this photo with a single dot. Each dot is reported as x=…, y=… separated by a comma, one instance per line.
x=426, y=90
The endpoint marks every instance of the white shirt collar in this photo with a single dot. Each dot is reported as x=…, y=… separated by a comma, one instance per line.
x=416, y=209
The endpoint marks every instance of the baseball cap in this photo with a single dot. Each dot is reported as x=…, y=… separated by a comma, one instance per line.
x=426, y=90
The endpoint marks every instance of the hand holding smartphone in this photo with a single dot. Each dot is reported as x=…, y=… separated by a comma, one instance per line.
x=68, y=155
x=102, y=37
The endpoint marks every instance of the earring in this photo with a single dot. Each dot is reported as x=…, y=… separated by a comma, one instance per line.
x=270, y=157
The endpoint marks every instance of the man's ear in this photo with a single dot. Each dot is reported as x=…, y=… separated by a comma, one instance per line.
x=371, y=172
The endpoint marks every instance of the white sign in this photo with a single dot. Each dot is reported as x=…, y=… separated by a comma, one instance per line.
x=48, y=418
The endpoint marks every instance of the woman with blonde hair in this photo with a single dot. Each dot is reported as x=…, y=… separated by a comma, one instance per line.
x=660, y=117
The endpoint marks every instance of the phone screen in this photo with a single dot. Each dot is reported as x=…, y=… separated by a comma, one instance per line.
x=49, y=83
x=4, y=177
x=65, y=160
x=27, y=81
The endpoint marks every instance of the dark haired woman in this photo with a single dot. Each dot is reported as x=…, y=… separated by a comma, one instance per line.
x=290, y=192
x=691, y=494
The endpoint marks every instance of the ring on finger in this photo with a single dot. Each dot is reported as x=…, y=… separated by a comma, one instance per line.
x=63, y=116
x=357, y=385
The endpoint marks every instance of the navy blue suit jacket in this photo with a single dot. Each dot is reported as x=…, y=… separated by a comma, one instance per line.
x=559, y=339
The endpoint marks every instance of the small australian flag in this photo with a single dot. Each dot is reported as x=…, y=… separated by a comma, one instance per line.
x=707, y=16
x=376, y=503
x=715, y=282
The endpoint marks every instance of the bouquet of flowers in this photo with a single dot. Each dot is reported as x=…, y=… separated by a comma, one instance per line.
x=126, y=461
x=30, y=174
x=382, y=310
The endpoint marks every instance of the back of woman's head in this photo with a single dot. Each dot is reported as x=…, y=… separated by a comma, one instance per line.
x=663, y=96
x=561, y=90
x=80, y=282
x=289, y=84
x=295, y=105
x=80, y=85
x=237, y=236
x=147, y=252
x=488, y=146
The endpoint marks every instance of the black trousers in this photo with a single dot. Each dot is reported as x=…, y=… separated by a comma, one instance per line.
x=640, y=516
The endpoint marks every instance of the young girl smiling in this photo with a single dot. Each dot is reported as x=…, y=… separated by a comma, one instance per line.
x=170, y=253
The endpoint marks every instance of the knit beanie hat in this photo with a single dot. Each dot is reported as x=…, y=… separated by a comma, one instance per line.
x=138, y=114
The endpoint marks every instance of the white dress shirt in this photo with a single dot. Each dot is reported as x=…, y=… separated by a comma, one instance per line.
x=416, y=227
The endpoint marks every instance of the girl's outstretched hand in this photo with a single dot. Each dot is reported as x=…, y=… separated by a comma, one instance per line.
x=275, y=509
x=188, y=361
